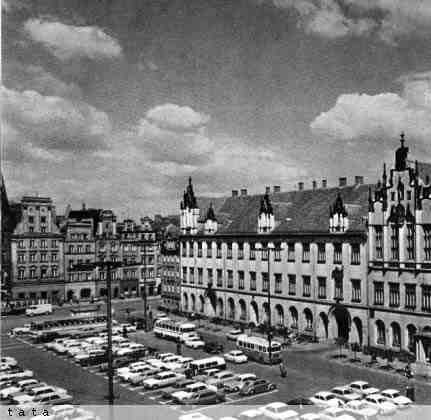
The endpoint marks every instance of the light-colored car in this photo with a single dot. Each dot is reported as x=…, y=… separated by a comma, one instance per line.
x=163, y=356
x=133, y=371
x=132, y=366
x=188, y=336
x=194, y=343
x=181, y=395
x=162, y=379
x=156, y=363
x=279, y=411
x=17, y=387
x=25, y=329
x=132, y=348
x=380, y=403
x=335, y=413
x=16, y=374
x=233, y=334
x=236, y=356
x=220, y=378
x=326, y=399
x=309, y=416
x=236, y=383
x=346, y=393
x=130, y=328
x=361, y=410
x=395, y=397
x=9, y=361
x=251, y=414
x=194, y=416
x=363, y=387
x=139, y=377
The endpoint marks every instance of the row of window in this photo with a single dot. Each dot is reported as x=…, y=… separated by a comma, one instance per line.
x=31, y=219
x=42, y=243
x=80, y=249
x=34, y=272
x=79, y=236
x=33, y=257
x=409, y=295
x=394, y=236
x=277, y=252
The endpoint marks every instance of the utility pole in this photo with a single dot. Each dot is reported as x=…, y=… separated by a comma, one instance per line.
x=144, y=295
x=269, y=308
x=109, y=322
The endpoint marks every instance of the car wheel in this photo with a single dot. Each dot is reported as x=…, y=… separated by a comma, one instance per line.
x=271, y=387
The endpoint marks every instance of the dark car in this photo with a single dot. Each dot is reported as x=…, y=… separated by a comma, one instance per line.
x=257, y=386
x=204, y=397
x=213, y=348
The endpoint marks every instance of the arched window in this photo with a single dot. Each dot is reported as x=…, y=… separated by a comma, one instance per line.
x=294, y=317
x=380, y=333
x=396, y=335
x=308, y=319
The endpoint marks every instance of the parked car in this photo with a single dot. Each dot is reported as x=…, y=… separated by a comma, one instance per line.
x=233, y=334
x=9, y=361
x=236, y=356
x=395, y=397
x=345, y=393
x=16, y=374
x=194, y=343
x=194, y=416
x=138, y=378
x=25, y=329
x=220, y=378
x=213, y=348
x=257, y=386
x=279, y=411
x=55, y=398
x=236, y=383
x=179, y=395
x=380, y=403
x=326, y=399
x=42, y=309
x=363, y=387
x=205, y=397
x=309, y=416
x=130, y=328
x=162, y=379
x=20, y=386
x=335, y=413
x=251, y=414
x=361, y=410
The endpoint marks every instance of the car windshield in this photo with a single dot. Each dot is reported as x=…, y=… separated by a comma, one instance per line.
x=391, y=394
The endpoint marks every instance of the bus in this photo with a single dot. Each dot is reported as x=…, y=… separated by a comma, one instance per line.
x=257, y=348
x=215, y=362
x=167, y=328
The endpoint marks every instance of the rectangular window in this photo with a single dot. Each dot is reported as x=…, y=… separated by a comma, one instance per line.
x=379, y=242
x=199, y=249
x=356, y=290
x=321, y=289
x=306, y=282
x=292, y=284
x=21, y=273
x=394, y=295
x=427, y=242
x=30, y=219
x=54, y=271
x=219, y=278
x=265, y=254
x=278, y=282
x=218, y=250
x=209, y=250
x=305, y=252
x=43, y=243
x=240, y=251
x=184, y=250
x=395, y=243
x=252, y=252
x=21, y=257
x=338, y=288
x=277, y=253
x=87, y=249
x=184, y=274
x=42, y=219
x=191, y=250
x=43, y=272
x=426, y=298
x=379, y=293
x=43, y=257
x=410, y=296
x=338, y=253
x=229, y=279
x=241, y=280
x=321, y=253
x=32, y=273
x=200, y=276
x=210, y=275
x=265, y=282
x=32, y=257
x=21, y=244
x=411, y=242
x=252, y=280
x=356, y=254
x=32, y=243
x=229, y=251
x=291, y=252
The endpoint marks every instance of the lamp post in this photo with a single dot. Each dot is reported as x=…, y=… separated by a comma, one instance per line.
x=144, y=294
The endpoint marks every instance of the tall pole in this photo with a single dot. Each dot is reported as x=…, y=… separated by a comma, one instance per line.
x=269, y=308
x=109, y=325
x=144, y=296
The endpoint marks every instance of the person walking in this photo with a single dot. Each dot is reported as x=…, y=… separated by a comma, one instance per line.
x=283, y=371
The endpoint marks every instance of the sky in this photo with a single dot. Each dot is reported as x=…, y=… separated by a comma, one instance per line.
x=115, y=103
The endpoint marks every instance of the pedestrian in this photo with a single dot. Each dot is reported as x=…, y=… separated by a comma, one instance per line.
x=283, y=372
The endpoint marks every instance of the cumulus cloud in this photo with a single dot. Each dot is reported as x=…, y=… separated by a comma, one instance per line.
x=173, y=133
x=68, y=41
x=381, y=117
x=53, y=123
x=389, y=20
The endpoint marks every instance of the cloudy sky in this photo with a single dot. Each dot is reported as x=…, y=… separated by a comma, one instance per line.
x=116, y=102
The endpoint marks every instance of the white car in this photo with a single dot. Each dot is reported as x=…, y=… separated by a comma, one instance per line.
x=310, y=416
x=364, y=388
x=346, y=393
x=156, y=363
x=335, y=413
x=163, y=356
x=235, y=384
x=25, y=329
x=326, y=399
x=233, y=334
x=132, y=348
x=128, y=327
x=17, y=387
x=16, y=374
x=126, y=375
x=251, y=414
x=9, y=361
x=194, y=343
x=395, y=397
x=236, y=356
x=360, y=409
x=380, y=403
x=188, y=391
x=279, y=411
x=162, y=379
x=220, y=378
x=188, y=336
x=194, y=416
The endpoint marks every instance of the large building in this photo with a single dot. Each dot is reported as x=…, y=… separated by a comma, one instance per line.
x=315, y=253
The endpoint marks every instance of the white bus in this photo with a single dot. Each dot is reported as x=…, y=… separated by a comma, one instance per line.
x=167, y=328
x=41, y=309
x=257, y=348
x=215, y=362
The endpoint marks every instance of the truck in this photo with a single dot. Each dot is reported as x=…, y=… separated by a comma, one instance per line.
x=41, y=309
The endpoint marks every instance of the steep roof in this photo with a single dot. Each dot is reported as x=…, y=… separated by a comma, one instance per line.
x=294, y=211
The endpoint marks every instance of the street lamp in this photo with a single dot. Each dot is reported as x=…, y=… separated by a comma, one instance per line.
x=109, y=265
x=267, y=249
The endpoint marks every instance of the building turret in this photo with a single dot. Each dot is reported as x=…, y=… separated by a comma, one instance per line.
x=266, y=220
x=211, y=224
x=189, y=211
x=338, y=217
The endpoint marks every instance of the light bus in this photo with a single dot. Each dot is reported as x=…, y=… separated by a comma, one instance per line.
x=215, y=362
x=257, y=348
x=167, y=328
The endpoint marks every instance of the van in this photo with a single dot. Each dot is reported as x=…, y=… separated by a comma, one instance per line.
x=42, y=309
x=215, y=362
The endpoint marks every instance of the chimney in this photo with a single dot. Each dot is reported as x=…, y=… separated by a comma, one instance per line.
x=277, y=189
x=342, y=181
x=83, y=206
x=314, y=185
x=234, y=193
x=359, y=180
x=300, y=186
x=324, y=183
x=267, y=190
x=243, y=192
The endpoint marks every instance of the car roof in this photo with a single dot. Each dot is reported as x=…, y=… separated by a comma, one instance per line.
x=359, y=383
x=276, y=404
x=324, y=393
x=390, y=391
